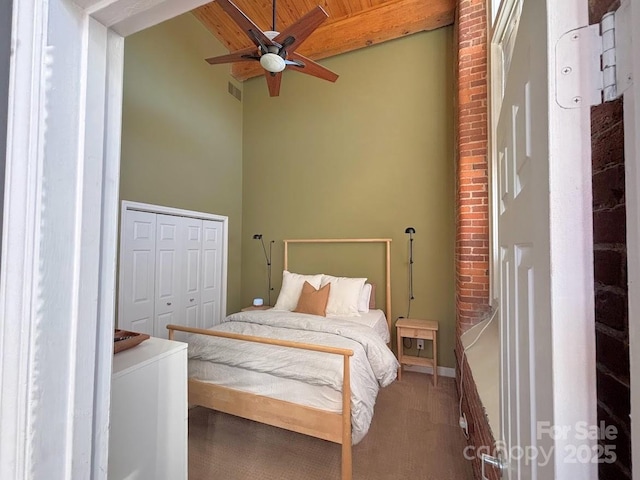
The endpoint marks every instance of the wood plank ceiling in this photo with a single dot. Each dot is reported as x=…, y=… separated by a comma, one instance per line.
x=352, y=24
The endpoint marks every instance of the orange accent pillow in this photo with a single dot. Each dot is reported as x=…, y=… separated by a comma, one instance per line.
x=312, y=300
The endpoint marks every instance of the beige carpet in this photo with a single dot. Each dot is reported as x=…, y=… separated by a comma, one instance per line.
x=414, y=435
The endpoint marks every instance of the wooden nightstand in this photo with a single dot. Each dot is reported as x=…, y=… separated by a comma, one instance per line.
x=261, y=307
x=424, y=329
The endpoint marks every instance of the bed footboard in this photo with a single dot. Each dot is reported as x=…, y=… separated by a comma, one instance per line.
x=334, y=427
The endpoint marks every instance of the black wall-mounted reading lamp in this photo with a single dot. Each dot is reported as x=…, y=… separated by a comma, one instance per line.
x=410, y=231
x=258, y=236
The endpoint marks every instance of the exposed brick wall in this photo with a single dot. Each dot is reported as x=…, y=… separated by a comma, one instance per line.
x=610, y=272
x=472, y=205
x=610, y=262
x=480, y=435
x=472, y=214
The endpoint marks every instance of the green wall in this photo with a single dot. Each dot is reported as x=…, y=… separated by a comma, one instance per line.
x=182, y=130
x=367, y=156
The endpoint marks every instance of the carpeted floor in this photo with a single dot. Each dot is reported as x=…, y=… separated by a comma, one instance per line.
x=414, y=435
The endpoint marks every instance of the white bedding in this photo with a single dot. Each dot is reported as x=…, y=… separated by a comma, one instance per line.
x=265, y=384
x=277, y=370
x=374, y=319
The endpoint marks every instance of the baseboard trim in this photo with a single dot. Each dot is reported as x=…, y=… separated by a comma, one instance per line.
x=442, y=371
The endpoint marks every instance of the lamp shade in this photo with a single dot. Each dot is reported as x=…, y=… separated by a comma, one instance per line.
x=272, y=63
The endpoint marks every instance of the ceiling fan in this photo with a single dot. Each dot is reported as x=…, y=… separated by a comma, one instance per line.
x=276, y=50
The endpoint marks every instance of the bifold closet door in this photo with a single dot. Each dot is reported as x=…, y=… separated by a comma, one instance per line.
x=211, y=273
x=138, y=259
x=201, y=277
x=169, y=250
x=171, y=272
x=191, y=271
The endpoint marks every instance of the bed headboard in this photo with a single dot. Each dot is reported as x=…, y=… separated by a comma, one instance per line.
x=386, y=241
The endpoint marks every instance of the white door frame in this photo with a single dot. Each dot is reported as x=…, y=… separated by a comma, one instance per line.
x=59, y=237
x=632, y=193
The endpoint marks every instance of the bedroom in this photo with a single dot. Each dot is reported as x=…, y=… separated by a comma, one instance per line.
x=364, y=157
x=20, y=302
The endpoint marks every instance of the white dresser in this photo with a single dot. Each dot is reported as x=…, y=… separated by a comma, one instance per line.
x=148, y=426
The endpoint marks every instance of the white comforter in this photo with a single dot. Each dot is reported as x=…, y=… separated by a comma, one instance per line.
x=373, y=365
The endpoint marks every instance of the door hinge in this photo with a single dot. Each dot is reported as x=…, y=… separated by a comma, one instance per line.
x=593, y=63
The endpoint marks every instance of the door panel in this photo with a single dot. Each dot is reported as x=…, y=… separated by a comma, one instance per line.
x=193, y=246
x=137, y=280
x=211, y=273
x=168, y=247
x=519, y=239
x=191, y=232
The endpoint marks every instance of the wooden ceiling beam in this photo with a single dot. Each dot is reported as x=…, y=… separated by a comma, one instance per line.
x=394, y=19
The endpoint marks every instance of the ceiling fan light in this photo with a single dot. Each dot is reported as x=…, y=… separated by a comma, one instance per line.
x=272, y=63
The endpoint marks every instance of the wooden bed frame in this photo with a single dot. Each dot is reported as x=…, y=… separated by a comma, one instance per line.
x=331, y=426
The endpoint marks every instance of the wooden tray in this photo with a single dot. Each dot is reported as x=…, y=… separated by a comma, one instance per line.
x=124, y=340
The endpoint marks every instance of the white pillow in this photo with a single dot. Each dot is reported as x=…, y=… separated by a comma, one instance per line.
x=344, y=295
x=365, y=297
x=292, y=287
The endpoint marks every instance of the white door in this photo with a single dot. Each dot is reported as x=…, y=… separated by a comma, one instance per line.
x=542, y=170
x=212, y=247
x=168, y=274
x=137, y=281
x=191, y=271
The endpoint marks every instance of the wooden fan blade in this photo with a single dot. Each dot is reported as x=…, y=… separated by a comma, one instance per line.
x=302, y=28
x=243, y=55
x=311, y=68
x=273, y=82
x=245, y=23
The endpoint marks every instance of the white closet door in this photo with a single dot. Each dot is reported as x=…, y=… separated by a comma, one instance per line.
x=211, y=273
x=138, y=271
x=168, y=273
x=172, y=266
x=190, y=284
